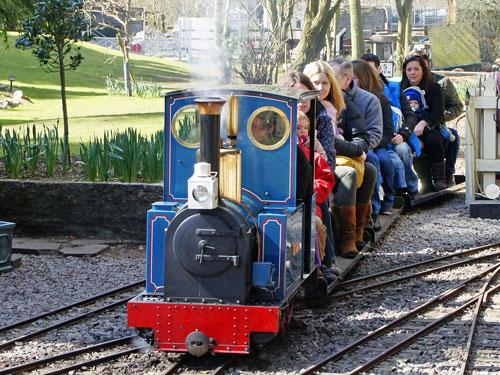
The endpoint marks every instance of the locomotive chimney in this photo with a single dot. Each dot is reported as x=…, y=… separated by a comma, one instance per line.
x=210, y=109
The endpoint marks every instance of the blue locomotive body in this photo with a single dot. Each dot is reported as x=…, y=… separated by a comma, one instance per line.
x=254, y=246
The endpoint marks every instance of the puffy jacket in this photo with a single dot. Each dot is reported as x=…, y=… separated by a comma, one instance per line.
x=324, y=181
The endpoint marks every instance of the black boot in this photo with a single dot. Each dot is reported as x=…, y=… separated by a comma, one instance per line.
x=438, y=175
x=421, y=167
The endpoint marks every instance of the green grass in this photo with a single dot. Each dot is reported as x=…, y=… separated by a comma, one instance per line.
x=91, y=110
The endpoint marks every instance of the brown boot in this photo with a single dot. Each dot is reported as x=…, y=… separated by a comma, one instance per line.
x=347, y=224
x=362, y=210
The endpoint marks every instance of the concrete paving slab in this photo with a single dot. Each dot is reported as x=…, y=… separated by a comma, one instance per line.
x=20, y=239
x=35, y=246
x=86, y=250
x=83, y=242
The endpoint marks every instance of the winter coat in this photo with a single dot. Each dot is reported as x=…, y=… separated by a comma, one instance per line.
x=388, y=130
x=352, y=125
x=324, y=181
x=369, y=107
x=409, y=120
x=434, y=115
x=453, y=107
x=325, y=132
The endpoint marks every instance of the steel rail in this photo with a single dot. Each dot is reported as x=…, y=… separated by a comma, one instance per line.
x=96, y=361
x=479, y=306
x=220, y=370
x=75, y=304
x=44, y=361
x=429, y=328
x=413, y=275
x=63, y=323
x=175, y=366
x=426, y=305
x=403, y=268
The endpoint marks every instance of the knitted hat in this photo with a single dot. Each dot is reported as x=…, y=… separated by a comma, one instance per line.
x=416, y=93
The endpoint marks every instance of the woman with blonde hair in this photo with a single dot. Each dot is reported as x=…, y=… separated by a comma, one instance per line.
x=351, y=140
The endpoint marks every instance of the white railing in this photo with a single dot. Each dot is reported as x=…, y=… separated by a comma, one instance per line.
x=482, y=138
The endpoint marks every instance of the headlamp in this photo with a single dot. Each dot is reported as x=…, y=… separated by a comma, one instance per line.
x=200, y=193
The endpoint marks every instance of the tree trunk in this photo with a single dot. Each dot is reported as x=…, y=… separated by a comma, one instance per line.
x=62, y=77
x=400, y=45
x=409, y=29
x=335, y=31
x=219, y=22
x=317, y=20
x=126, y=50
x=405, y=12
x=357, y=40
x=452, y=12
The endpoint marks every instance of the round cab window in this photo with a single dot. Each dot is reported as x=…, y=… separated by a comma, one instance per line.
x=186, y=126
x=268, y=128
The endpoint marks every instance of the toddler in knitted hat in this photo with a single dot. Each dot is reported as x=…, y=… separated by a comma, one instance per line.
x=416, y=98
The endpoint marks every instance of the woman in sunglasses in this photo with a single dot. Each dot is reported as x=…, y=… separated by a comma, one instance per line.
x=417, y=75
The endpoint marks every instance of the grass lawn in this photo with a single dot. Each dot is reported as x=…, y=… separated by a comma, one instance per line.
x=91, y=110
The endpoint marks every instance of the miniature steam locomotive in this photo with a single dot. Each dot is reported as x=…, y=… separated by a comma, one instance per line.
x=231, y=244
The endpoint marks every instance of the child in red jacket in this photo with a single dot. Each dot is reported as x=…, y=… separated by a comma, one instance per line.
x=324, y=181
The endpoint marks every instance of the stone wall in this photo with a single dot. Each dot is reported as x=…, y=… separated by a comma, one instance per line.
x=79, y=209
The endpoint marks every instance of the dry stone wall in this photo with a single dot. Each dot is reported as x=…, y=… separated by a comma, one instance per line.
x=79, y=209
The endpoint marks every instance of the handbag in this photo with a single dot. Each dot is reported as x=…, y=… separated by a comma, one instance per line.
x=356, y=162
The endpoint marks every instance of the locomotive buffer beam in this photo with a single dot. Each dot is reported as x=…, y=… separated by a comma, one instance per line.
x=202, y=257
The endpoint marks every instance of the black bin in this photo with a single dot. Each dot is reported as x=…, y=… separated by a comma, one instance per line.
x=6, y=230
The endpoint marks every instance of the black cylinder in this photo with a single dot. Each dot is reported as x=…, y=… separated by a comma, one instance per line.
x=210, y=109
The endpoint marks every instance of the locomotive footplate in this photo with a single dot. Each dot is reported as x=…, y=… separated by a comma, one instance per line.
x=227, y=328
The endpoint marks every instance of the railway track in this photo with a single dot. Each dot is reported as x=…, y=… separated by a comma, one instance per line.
x=381, y=345
x=20, y=332
x=185, y=364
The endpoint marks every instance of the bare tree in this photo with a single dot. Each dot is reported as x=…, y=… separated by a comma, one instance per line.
x=405, y=10
x=317, y=19
x=280, y=17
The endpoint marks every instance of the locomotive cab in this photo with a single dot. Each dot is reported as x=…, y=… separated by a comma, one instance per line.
x=230, y=244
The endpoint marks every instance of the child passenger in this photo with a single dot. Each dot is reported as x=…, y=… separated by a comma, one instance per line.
x=416, y=99
x=303, y=127
x=324, y=181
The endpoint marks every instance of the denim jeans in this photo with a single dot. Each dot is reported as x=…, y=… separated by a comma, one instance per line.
x=387, y=170
x=404, y=152
x=330, y=243
x=372, y=158
x=399, y=171
x=451, y=154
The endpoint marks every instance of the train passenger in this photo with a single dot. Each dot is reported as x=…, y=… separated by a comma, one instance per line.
x=416, y=73
x=355, y=178
x=453, y=108
x=323, y=127
x=303, y=128
x=324, y=181
x=371, y=111
x=404, y=142
x=366, y=78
